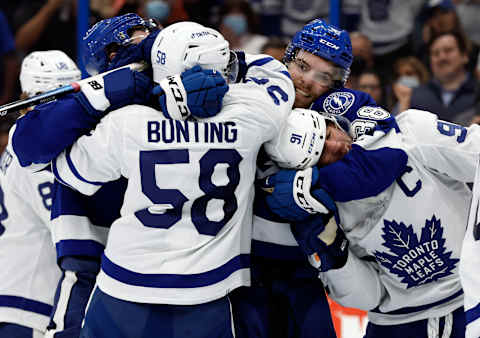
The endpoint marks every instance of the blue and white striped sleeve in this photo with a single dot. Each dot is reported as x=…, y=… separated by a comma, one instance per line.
x=91, y=161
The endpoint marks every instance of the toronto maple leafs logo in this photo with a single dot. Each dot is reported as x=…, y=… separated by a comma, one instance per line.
x=338, y=103
x=416, y=261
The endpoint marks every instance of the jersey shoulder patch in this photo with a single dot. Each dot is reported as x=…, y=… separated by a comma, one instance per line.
x=338, y=103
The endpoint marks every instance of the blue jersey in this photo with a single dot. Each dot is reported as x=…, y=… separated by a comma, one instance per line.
x=358, y=108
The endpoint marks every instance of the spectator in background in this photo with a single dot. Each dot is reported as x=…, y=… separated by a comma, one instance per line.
x=284, y=18
x=45, y=25
x=274, y=47
x=238, y=24
x=204, y=12
x=9, y=68
x=441, y=17
x=362, y=57
x=451, y=91
x=369, y=81
x=389, y=25
x=105, y=8
x=158, y=10
x=409, y=73
x=468, y=12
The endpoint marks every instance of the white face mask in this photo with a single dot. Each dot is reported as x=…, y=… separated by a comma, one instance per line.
x=408, y=81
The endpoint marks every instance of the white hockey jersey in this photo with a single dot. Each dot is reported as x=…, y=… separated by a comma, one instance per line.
x=185, y=228
x=406, y=241
x=469, y=263
x=29, y=273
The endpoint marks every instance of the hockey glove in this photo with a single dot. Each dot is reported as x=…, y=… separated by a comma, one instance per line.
x=323, y=241
x=291, y=198
x=114, y=90
x=196, y=91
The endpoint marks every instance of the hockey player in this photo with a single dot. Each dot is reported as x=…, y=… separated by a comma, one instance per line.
x=314, y=32
x=80, y=224
x=183, y=241
x=405, y=232
x=284, y=284
x=29, y=271
x=469, y=265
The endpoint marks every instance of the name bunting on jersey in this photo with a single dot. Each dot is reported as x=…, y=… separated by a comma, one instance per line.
x=338, y=103
x=170, y=131
x=416, y=260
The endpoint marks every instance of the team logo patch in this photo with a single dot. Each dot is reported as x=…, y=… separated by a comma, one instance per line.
x=416, y=260
x=338, y=103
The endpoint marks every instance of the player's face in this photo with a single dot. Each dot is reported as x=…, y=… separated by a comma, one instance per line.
x=312, y=77
x=337, y=145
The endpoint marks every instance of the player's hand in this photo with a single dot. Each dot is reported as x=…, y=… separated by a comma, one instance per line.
x=323, y=241
x=291, y=197
x=114, y=90
x=195, y=92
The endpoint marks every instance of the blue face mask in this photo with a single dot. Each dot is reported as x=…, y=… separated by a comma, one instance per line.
x=236, y=22
x=158, y=10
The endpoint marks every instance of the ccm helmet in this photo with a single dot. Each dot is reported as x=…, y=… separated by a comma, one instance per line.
x=326, y=41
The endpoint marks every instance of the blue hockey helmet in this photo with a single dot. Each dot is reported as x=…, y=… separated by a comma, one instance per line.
x=323, y=40
x=106, y=33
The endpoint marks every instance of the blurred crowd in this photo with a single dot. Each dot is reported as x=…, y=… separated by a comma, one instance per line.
x=408, y=53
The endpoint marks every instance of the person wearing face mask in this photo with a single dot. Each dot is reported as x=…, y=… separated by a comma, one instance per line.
x=238, y=24
x=410, y=73
x=158, y=10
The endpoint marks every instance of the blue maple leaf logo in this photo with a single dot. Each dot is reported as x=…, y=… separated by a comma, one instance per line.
x=416, y=261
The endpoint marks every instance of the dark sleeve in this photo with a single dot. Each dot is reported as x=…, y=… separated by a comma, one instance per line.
x=72, y=294
x=43, y=133
x=362, y=173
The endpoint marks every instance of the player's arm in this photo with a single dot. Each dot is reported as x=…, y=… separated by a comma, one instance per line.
x=71, y=297
x=362, y=173
x=357, y=284
x=68, y=118
x=90, y=162
x=277, y=90
x=80, y=227
x=444, y=147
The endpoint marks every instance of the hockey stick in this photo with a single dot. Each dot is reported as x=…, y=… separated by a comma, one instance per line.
x=56, y=93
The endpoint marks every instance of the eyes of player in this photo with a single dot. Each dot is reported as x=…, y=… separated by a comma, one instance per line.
x=324, y=78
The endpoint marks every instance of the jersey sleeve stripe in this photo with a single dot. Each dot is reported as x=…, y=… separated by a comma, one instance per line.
x=206, y=278
x=26, y=304
x=56, y=173
x=287, y=74
x=413, y=309
x=260, y=62
x=79, y=247
x=75, y=171
x=472, y=314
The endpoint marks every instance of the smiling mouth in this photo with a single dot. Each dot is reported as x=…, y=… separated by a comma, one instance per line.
x=301, y=92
